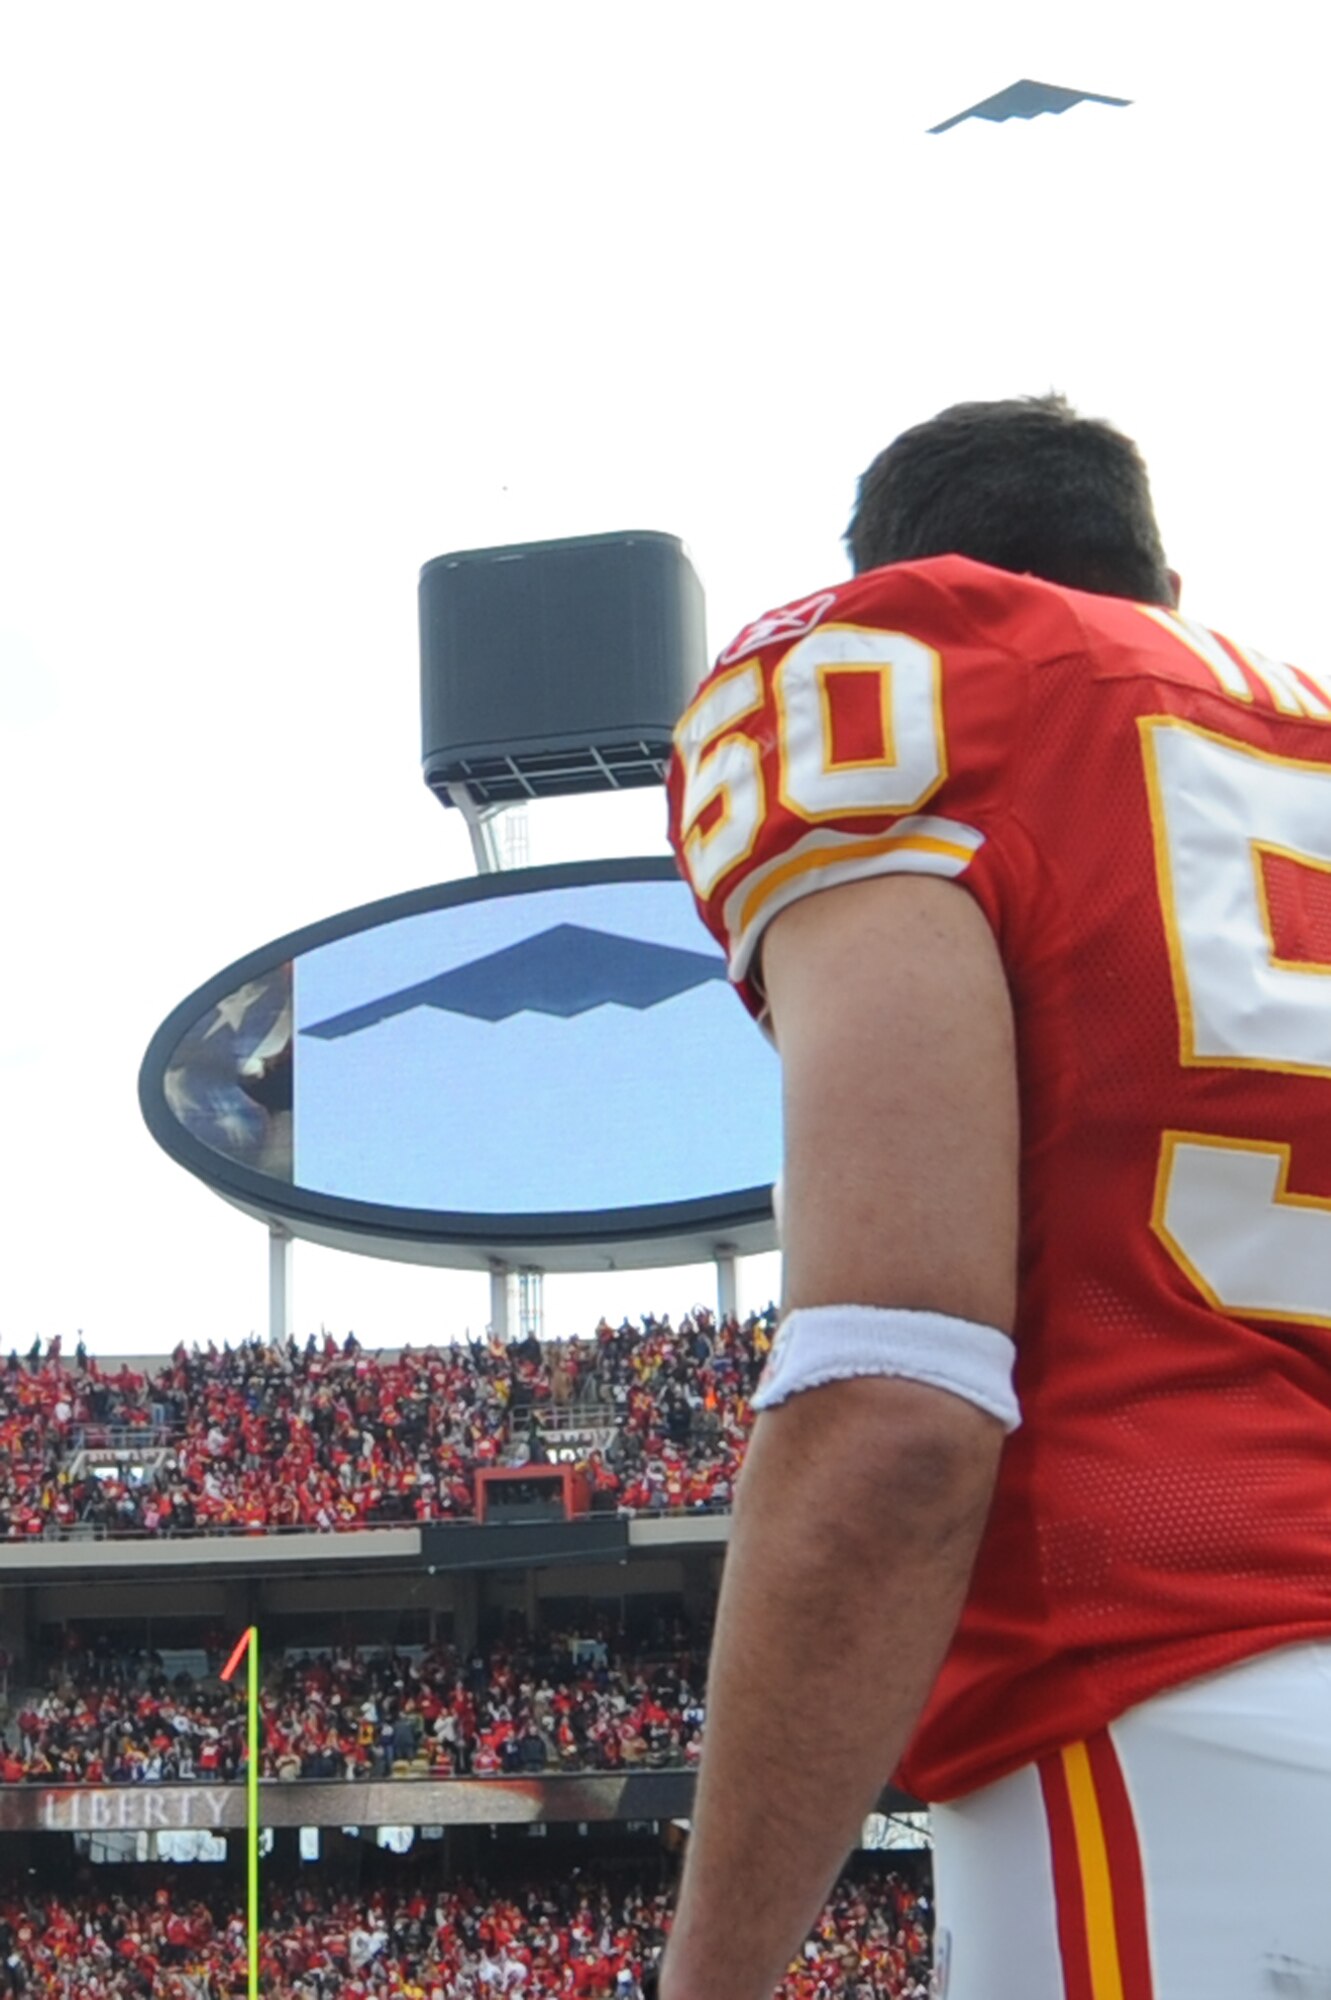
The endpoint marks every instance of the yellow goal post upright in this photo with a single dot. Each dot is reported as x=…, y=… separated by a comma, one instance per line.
x=247, y=1649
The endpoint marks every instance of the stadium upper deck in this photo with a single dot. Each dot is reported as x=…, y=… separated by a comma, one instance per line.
x=330, y=1436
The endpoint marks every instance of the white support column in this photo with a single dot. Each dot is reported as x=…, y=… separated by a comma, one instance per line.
x=727, y=1281
x=279, y=1282
x=531, y=1305
x=499, y=1301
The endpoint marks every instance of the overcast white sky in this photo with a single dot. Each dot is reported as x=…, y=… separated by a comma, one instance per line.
x=294, y=297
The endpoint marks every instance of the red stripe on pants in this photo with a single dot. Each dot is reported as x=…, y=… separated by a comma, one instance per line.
x=1125, y=1867
x=1069, y=1899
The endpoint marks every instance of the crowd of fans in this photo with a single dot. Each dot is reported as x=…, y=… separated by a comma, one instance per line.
x=329, y=1435
x=569, y=1940
x=564, y=1702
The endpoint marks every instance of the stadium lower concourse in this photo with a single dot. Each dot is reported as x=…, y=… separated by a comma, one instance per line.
x=585, y=1924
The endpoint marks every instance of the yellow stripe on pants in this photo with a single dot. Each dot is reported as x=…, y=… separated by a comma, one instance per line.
x=1096, y=1888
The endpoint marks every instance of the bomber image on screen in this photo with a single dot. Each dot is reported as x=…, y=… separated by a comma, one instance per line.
x=551, y=1056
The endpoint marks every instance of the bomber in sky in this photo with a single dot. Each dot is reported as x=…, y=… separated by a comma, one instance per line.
x=1027, y=99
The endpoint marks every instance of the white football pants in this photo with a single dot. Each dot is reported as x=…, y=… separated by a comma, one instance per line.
x=1184, y=1853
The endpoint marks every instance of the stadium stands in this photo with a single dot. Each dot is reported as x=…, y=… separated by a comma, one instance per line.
x=568, y=1702
x=586, y=1938
x=327, y=1435
x=393, y=1672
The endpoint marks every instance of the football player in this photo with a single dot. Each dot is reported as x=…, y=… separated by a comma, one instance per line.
x=1029, y=878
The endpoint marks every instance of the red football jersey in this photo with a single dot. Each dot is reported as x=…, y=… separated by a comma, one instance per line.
x=1142, y=810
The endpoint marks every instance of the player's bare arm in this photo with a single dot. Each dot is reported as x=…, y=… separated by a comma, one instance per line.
x=862, y=1501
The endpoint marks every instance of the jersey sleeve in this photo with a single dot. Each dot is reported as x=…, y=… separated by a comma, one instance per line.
x=875, y=729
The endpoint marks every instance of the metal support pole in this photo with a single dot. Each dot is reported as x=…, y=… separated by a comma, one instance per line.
x=499, y=1301
x=727, y=1281
x=279, y=1283
x=480, y=826
x=482, y=822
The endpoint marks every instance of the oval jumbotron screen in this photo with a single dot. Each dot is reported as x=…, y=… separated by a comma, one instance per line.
x=545, y=1067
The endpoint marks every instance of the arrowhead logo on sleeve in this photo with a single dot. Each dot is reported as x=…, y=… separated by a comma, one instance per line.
x=563, y=971
x=790, y=622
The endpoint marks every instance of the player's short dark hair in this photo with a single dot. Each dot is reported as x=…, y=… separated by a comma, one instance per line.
x=1026, y=485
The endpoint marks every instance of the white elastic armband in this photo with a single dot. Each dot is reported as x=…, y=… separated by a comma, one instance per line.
x=817, y=1344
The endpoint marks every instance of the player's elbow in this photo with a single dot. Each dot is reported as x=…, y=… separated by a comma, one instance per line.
x=938, y=1463
x=854, y=1454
